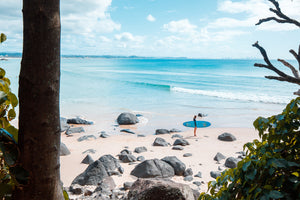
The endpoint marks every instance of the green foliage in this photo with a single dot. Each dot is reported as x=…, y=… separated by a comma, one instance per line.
x=2, y=37
x=66, y=196
x=11, y=174
x=271, y=168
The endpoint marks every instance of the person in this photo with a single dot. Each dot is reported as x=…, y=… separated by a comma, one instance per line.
x=195, y=121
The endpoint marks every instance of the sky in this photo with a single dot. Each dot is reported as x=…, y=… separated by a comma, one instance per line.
x=163, y=28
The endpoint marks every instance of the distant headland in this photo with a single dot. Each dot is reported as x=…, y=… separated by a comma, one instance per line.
x=19, y=55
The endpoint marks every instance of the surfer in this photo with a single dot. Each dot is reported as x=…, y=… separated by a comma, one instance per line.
x=195, y=129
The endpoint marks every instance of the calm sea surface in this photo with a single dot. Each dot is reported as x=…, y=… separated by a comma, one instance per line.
x=166, y=92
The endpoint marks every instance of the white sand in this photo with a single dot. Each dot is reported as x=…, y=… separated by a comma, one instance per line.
x=203, y=147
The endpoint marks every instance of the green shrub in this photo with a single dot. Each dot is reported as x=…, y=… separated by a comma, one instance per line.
x=11, y=174
x=271, y=168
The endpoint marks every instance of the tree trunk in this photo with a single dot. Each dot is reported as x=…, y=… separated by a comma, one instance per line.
x=39, y=123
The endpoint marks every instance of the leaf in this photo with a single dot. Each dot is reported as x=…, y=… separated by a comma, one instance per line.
x=13, y=99
x=268, y=187
x=66, y=196
x=271, y=171
x=246, y=165
x=296, y=174
x=280, y=163
x=7, y=81
x=2, y=73
x=293, y=164
x=11, y=114
x=2, y=37
x=251, y=174
x=274, y=194
x=13, y=131
x=280, y=117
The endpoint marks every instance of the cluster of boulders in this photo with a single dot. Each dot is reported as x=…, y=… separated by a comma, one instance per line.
x=69, y=129
x=230, y=162
x=177, y=145
x=153, y=175
x=153, y=179
x=96, y=181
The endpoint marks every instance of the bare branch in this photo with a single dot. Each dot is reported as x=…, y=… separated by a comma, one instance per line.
x=261, y=65
x=282, y=76
x=286, y=79
x=263, y=53
x=297, y=56
x=266, y=59
x=278, y=78
x=283, y=17
x=270, y=19
x=294, y=71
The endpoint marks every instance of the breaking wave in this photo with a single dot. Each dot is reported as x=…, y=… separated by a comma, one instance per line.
x=235, y=96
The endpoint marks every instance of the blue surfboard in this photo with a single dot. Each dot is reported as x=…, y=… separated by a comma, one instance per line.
x=200, y=124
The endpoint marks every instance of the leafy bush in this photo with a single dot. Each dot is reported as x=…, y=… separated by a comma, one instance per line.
x=271, y=168
x=8, y=101
x=10, y=173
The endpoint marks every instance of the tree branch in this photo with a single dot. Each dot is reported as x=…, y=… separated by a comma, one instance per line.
x=292, y=68
x=282, y=76
x=286, y=79
x=261, y=65
x=297, y=56
x=277, y=11
x=278, y=78
x=263, y=53
x=270, y=19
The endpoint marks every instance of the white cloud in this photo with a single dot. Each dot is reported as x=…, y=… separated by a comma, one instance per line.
x=255, y=10
x=227, y=22
x=227, y=35
x=168, y=41
x=190, y=33
x=128, y=37
x=104, y=39
x=127, y=40
x=181, y=26
x=87, y=17
x=150, y=18
x=250, y=6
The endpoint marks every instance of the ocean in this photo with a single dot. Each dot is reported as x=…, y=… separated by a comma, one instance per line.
x=166, y=92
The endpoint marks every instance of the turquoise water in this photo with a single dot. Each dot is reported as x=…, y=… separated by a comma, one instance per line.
x=167, y=92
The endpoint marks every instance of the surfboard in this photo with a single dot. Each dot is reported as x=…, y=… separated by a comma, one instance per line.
x=200, y=124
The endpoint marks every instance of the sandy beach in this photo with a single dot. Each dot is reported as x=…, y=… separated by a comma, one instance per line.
x=203, y=148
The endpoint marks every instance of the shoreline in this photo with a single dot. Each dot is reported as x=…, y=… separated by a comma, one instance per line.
x=203, y=149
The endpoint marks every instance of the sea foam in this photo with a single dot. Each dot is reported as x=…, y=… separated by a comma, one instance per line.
x=235, y=96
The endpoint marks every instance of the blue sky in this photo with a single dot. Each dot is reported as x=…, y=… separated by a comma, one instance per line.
x=161, y=28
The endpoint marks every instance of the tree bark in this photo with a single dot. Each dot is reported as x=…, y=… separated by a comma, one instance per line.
x=39, y=123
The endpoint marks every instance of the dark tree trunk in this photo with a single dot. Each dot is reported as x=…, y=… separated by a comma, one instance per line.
x=39, y=124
